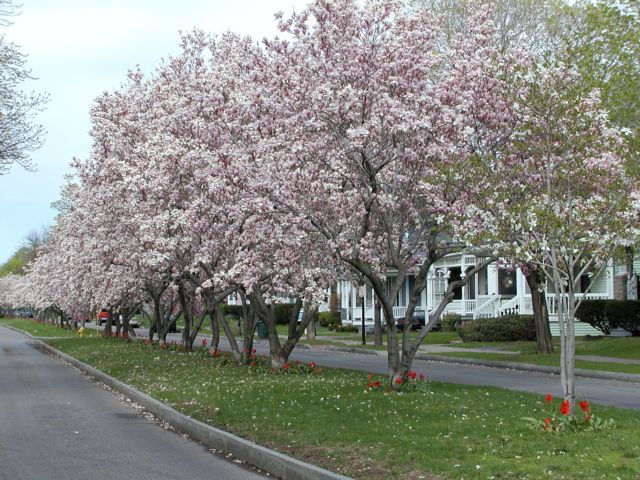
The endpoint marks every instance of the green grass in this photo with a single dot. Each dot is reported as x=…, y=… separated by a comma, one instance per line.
x=620, y=347
x=37, y=329
x=549, y=360
x=617, y=347
x=333, y=420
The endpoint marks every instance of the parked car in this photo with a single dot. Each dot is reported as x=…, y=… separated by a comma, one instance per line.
x=103, y=316
x=416, y=324
x=420, y=316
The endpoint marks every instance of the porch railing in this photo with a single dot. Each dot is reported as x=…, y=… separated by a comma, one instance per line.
x=552, y=301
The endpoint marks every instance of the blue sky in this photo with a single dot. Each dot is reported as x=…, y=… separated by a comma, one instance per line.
x=78, y=49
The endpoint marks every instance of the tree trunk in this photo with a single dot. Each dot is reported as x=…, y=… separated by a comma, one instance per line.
x=155, y=320
x=107, y=332
x=250, y=324
x=535, y=280
x=377, y=322
x=214, y=348
x=311, y=330
x=567, y=333
x=118, y=323
x=185, y=306
x=227, y=331
x=127, y=329
x=293, y=320
x=280, y=353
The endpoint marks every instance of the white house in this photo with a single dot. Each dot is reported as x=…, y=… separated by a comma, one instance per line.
x=493, y=292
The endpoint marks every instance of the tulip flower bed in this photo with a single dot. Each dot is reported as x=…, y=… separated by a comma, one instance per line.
x=38, y=329
x=347, y=422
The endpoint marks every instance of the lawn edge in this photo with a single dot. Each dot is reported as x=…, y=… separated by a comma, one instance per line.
x=275, y=463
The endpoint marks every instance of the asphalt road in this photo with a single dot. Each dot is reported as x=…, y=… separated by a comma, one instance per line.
x=55, y=423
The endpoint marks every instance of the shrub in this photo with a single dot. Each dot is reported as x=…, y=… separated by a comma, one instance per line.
x=346, y=328
x=624, y=314
x=325, y=319
x=233, y=310
x=329, y=320
x=283, y=313
x=508, y=328
x=593, y=313
x=450, y=322
x=336, y=325
x=468, y=332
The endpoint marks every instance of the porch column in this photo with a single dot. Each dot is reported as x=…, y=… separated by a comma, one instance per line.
x=521, y=290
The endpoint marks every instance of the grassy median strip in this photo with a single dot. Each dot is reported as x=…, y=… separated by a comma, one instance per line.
x=37, y=329
x=331, y=418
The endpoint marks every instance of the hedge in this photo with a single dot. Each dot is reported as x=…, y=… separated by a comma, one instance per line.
x=450, y=322
x=607, y=314
x=624, y=314
x=593, y=313
x=508, y=328
x=344, y=328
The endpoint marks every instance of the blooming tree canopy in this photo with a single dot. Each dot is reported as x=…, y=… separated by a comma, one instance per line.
x=374, y=130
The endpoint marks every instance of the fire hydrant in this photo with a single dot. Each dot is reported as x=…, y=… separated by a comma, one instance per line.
x=81, y=331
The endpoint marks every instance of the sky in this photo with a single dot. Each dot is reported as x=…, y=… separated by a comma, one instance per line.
x=77, y=49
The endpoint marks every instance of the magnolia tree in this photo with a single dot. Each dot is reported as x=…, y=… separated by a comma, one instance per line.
x=283, y=259
x=373, y=128
x=171, y=192
x=11, y=293
x=539, y=26
x=559, y=196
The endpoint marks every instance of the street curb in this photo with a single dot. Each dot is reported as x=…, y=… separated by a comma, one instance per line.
x=580, y=372
x=275, y=463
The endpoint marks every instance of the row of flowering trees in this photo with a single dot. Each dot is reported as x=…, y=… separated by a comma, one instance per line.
x=357, y=143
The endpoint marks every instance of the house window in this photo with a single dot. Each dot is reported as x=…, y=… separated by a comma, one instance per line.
x=507, y=282
x=585, y=282
x=401, y=299
x=471, y=286
x=483, y=282
x=454, y=276
x=439, y=287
